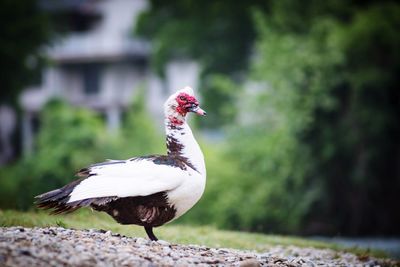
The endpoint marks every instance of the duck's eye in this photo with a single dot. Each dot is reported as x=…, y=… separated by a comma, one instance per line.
x=182, y=98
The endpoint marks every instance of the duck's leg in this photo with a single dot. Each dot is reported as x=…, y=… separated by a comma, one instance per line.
x=149, y=231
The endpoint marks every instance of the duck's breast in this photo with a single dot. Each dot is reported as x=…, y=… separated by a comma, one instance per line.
x=187, y=194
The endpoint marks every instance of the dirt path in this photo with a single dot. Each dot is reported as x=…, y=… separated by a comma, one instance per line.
x=56, y=246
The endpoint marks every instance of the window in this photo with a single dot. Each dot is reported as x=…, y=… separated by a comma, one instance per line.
x=91, y=79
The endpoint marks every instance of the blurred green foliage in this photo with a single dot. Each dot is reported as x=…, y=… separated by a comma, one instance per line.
x=23, y=29
x=69, y=139
x=218, y=34
x=320, y=123
x=209, y=31
x=313, y=148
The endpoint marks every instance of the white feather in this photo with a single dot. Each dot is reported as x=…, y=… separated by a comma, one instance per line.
x=133, y=178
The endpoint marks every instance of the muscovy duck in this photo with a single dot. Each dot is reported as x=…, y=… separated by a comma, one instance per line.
x=148, y=191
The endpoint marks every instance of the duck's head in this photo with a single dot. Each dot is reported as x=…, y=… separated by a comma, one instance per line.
x=181, y=103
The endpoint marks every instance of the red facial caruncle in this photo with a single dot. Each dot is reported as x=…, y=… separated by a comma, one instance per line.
x=185, y=103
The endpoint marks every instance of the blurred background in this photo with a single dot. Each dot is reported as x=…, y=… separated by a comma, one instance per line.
x=302, y=135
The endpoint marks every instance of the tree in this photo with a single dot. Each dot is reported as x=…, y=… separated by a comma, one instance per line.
x=354, y=141
x=23, y=29
x=68, y=140
x=322, y=120
x=219, y=34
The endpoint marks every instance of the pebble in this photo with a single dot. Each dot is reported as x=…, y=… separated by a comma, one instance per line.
x=163, y=243
x=142, y=241
x=56, y=246
x=249, y=263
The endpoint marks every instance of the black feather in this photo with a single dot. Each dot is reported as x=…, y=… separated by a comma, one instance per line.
x=57, y=199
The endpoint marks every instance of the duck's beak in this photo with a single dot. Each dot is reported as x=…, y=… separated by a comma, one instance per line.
x=198, y=111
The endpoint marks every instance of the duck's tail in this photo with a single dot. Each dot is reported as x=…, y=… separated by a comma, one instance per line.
x=57, y=200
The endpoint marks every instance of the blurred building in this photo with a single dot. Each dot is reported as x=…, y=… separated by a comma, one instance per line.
x=100, y=65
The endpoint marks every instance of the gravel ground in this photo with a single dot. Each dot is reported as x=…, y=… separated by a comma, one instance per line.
x=56, y=246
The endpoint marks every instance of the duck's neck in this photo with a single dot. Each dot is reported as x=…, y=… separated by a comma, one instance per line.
x=181, y=142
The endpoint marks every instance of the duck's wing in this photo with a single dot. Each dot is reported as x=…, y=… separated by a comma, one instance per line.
x=128, y=178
